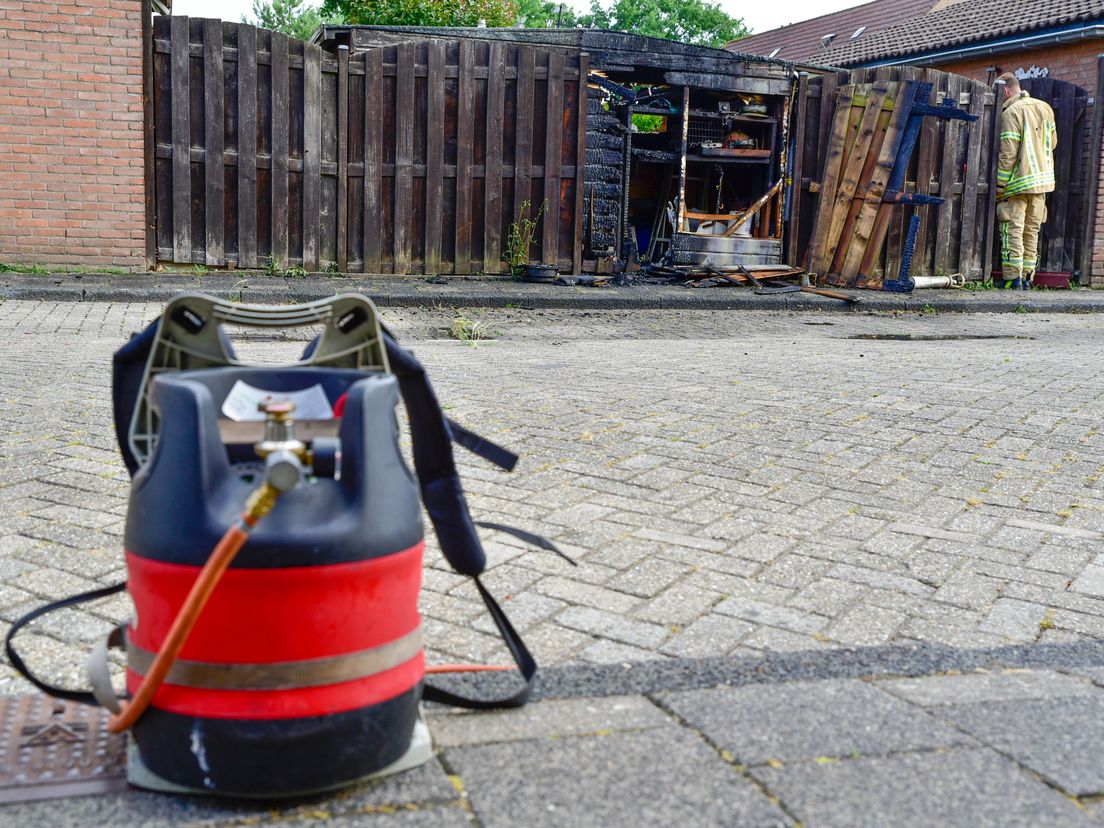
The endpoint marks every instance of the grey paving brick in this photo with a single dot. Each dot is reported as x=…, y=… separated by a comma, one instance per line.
x=1058, y=738
x=968, y=589
x=957, y=788
x=524, y=611
x=709, y=635
x=440, y=816
x=616, y=627
x=1067, y=531
x=598, y=597
x=881, y=580
x=546, y=720
x=578, y=782
x=649, y=577
x=976, y=688
x=828, y=596
x=761, y=547
x=604, y=651
x=1090, y=582
x=1014, y=620
x=772, y=615
x=794, y=571
x=931, y=532
x=805, y=720
x=691, y=541
x=866, y=625
x=773, y=639
x=679, y=604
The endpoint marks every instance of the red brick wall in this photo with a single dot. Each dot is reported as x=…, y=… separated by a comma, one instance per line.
x=71, y=179
x=1073, y=62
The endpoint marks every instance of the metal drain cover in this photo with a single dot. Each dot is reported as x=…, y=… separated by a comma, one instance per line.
x=50, y=749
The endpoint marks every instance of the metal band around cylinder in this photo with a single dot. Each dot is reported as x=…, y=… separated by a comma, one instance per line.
x=282, y=675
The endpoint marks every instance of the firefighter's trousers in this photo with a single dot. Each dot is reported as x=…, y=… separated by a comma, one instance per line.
x=1019, y=218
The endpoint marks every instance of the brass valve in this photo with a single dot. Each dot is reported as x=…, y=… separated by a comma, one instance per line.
x=279, y=433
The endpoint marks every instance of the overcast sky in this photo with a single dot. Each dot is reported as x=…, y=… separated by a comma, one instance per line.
x=759, y=17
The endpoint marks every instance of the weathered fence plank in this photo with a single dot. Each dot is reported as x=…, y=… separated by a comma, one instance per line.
x=553, y=151
x=435, y=157
x=312, y=154
x=947, y=217
x=280, y=125
x=580, y=155
x=342, y=158
x=492, y=181
x=404, y=156
x=373, y=160
x=214, y=175
x=523, y=135
x=247, y=147
x=969, y=263
x=464, y=130
x=181, y=141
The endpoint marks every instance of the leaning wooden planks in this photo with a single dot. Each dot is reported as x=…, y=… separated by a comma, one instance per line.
x=851, y=220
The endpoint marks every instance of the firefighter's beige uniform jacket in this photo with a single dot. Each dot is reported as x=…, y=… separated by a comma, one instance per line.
x=1027, y=141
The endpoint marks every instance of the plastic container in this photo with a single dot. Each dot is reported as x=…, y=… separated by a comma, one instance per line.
x=1044, y=278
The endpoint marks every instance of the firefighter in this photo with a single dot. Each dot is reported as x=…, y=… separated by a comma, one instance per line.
x=1025, y=173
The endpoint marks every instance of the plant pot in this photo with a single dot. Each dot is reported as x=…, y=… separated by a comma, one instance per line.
x=539, y=273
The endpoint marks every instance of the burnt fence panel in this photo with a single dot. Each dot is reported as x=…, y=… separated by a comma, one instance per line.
x=952, y=160
x=409, y=158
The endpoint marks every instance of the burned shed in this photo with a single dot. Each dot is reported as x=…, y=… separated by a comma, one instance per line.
x=674, y=136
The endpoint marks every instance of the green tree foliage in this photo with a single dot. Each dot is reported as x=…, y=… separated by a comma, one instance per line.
x=424, y=12
x=288, y=16
x=541, y=14
x=687, y=21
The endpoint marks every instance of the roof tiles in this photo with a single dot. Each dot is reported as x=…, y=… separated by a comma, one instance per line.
x=965, y=22
x=801, y=42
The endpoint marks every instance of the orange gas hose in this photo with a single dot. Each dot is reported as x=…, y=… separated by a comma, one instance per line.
x=221, y=558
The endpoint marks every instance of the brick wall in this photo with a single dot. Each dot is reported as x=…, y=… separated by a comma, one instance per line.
x=71, y=150
x=1073, y=62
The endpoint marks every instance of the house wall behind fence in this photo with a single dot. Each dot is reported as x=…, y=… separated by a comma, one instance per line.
x=1073, y=62
x=71, y=140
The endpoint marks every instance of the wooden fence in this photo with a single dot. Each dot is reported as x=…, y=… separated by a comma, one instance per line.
x=409, y=158
x=953, y=159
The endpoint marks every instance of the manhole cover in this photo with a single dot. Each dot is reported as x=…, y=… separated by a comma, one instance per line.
x=51, y=748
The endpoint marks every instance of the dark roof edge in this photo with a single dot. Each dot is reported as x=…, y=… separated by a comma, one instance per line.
x=330, y=31
x=981, y=46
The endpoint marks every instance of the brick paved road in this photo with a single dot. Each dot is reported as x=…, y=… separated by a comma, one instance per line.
x=730, y=482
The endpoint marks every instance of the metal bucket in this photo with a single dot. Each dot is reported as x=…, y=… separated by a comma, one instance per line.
x=725, y=251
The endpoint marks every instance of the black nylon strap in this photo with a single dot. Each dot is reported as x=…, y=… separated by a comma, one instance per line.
x=481, y=446
x=528, y=537
x=80, y=696
x=527, y=666
x=442, y=492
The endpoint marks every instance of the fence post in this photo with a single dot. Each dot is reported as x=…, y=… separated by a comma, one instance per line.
x=342, y=158
x=149, y=149
x=991, y=201
x=181, y=140
x=247, y=146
